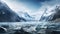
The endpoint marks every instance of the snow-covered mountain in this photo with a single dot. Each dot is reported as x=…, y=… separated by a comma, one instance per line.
x=52, y=15
x=26, y=16
x=8, y=15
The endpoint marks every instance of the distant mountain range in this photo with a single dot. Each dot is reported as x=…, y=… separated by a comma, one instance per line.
x=8, y=15
x=26, y=16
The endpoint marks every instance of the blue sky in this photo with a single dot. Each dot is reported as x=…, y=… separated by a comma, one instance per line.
x=33, y=5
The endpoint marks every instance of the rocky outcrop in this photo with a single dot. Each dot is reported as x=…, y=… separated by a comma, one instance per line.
x=3, y=30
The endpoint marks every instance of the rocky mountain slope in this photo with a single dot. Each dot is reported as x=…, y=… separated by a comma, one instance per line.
x=8, y=15
x=53, y=15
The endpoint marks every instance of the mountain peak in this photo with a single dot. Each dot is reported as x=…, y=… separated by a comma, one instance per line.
x=55, y=14
x=8, y=15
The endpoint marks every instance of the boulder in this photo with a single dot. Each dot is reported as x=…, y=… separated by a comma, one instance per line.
x=3, y=30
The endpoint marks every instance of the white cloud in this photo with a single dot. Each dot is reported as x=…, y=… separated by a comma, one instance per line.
x=16, y=6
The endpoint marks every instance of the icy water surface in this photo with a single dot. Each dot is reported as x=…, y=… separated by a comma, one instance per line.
x=29, y=27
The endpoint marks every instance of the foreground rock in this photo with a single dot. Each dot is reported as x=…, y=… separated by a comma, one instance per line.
x=3, y=30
